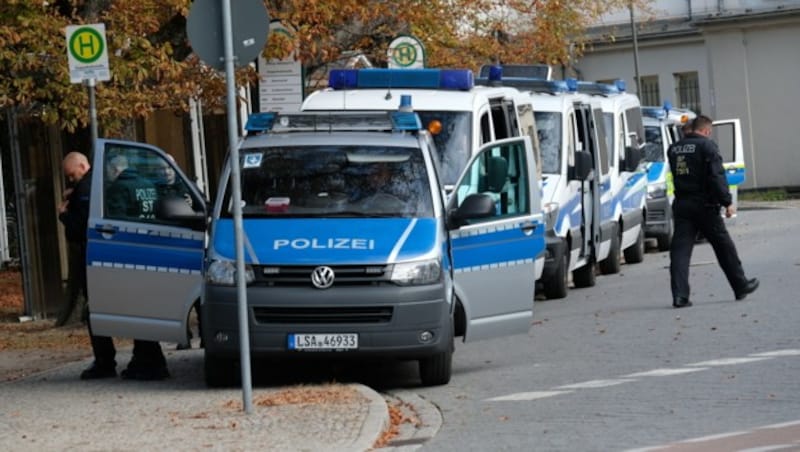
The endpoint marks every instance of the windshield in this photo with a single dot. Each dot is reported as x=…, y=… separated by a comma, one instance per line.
x=453, y=141
x=548, y=125
x=653, y=148
x=333, y=181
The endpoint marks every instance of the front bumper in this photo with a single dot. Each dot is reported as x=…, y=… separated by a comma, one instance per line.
x=387, y=318
x=658, y=217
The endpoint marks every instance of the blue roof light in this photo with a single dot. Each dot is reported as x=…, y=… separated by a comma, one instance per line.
x=620, y=84
x=260, y=122
x=406, y=120
x=667, y=106
x=453, y=79
x=405, y=103
x=598, y=88
x=572, y=84
x=495, y=73
x=654, y=112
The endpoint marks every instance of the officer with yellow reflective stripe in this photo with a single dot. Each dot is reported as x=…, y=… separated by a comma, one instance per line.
x=700, y=190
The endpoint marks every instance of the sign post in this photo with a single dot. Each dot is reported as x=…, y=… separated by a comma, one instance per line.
x=236, y=39
x=87, y=53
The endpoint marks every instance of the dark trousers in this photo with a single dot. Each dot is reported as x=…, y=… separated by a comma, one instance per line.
x=76, y=283
x=691, y=216
x=145, y=353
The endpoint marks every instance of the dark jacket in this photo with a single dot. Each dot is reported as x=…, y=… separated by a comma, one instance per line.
x=131, y=197
x=76, y=217
x=697, y=171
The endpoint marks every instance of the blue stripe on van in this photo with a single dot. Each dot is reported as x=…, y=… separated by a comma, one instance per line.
x=340, y=241
x=499, y=247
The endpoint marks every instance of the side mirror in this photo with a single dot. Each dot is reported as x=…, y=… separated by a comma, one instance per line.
x=583, y=166
x=476, y=205
x=178, y=211
x=633, y=155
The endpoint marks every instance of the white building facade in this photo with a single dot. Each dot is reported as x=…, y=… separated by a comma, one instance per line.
x=723, y=58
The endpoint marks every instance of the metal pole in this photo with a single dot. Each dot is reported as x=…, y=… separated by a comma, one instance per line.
x=635, y=52
x=244, y=333
x=92, y=116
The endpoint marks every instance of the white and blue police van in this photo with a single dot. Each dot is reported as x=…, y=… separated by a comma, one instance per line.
x=351, y=247
x=575, y=180
x=624, y=133
x=663, y=127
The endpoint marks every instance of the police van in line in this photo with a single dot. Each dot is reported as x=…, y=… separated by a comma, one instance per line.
x=460, y=116
x=575, y=179
x=351, y=247
x=627, y=183
x=663, y=127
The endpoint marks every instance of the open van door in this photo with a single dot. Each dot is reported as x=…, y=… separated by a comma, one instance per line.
x=143, y=265
x=728, y=135
x=494, y=258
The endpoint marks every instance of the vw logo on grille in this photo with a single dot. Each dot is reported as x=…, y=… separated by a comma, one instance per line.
x=322, y=277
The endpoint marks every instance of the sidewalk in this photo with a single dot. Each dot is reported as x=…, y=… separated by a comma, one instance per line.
x=54, y=410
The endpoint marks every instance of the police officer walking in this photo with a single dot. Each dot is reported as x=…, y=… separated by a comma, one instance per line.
x=701, y=189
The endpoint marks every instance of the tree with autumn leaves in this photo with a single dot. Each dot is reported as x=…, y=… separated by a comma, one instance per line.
x=153, y=68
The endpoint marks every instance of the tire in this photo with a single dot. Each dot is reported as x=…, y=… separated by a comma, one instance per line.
x=610, y=265
x=584, y=276
x=220, y=372
x=437, y=369
x=558, y=284
x=635, y=253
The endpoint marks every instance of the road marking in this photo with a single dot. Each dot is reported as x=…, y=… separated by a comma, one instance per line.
x=777, y=353
x=596, y=384
x=527, y=396
x=665, y=372
x=727, y=361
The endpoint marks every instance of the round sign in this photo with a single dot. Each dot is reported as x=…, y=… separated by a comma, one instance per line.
x=406, y=52
x=86, y=45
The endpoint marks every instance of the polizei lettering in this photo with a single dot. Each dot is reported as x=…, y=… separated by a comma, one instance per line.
x=324, y=244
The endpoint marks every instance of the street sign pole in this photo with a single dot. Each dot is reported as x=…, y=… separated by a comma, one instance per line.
x=90, y=83
x=241, y=287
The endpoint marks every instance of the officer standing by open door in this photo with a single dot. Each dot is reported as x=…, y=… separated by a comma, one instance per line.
x=701, y=189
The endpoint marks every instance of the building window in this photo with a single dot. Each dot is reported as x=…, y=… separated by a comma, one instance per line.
x=650, y=94
x=687, y=91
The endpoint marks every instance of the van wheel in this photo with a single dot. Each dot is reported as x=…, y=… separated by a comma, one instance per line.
x=584, y=276
x=610, y=265
x=635, y=253
x=436, y=370
x=558, y=284
x=220, y=372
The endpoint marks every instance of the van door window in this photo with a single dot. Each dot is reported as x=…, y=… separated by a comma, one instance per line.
x=548, y=132
x=498, y=172
x=138, y=183
x=486, y=129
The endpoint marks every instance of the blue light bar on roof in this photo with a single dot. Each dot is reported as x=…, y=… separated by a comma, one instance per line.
x=654, y=112
x=260, y=122
x=451, y=79
x=602, y=88
x=529, y=84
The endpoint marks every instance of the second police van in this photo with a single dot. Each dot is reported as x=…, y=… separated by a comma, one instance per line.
x=663, y=127
x=352, y=248
x=575, y=179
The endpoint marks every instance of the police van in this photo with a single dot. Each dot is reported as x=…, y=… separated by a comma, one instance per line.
x=663, y=127
x=624, y=134
x=351, y=247
x=575, y=179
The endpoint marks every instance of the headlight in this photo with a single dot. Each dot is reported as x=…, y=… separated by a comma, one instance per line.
x=550, y=215
x=224, y=273
x=417, y=273
x=658, y=190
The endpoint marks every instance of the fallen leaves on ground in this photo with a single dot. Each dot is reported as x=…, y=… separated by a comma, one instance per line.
x=303, y=395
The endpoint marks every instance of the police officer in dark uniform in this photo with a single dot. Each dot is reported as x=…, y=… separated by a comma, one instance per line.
x=701, y=189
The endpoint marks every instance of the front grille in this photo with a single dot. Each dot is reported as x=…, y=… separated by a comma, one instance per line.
x=656, y=215
x=300, y=275
x=368, y=314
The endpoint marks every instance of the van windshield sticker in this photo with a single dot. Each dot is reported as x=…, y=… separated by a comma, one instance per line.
x=252, y=160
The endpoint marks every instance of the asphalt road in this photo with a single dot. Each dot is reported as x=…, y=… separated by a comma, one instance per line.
x=615, y=367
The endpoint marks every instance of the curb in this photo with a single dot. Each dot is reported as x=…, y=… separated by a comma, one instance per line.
x=376, y=421
x=412, y=436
